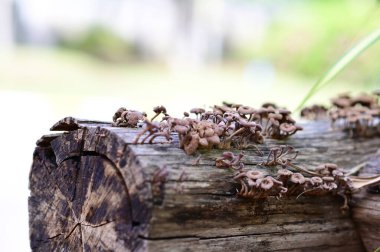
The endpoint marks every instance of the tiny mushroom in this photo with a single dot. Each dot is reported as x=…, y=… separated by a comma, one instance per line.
x=246, y=110
x=158, y=110
x=266, y=183
x=197, y=111
x=297, y=178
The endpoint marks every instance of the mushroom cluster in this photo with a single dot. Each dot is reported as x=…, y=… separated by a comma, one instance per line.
x=291, y=180
x=359, y=116
x=277, y=123
x=314, y=112
x=194, y=134
x=128, y=118
x=224, y=126
x=329, y=179
x=254, y=184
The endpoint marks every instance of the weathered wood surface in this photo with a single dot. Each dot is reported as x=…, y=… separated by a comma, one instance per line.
x=92, y=190
x=366, y=212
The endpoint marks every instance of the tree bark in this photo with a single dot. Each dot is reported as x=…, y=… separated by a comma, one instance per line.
x=92, y=190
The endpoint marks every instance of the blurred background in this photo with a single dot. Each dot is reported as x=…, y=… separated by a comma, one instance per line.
x=86, y=58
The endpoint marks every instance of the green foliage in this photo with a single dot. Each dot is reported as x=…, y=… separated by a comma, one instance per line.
x=351, y=55
x=101, y=43
x=306, y=36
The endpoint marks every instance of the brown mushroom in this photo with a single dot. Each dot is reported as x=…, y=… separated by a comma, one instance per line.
x=246, y=110
x=158, y=110
x=254, y=174
x=266, y=183
x=297, y=178
x=287, y=128
x=197, y=111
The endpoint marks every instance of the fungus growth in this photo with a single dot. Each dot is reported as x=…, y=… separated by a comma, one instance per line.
x=314, y=112
x=292, y=180
x=127, y=118
x=359, y=115
x=225, y=126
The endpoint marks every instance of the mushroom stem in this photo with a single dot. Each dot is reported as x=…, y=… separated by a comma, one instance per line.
x=235, y=133
x=142, y=132
x=154, y=117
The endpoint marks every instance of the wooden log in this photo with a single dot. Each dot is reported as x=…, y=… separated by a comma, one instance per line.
x=366, y=212
x=92, y=190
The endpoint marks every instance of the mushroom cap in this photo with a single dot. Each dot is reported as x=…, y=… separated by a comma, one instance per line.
x=193, y=144
x=217, y=111
x=197, y=110
x=331, y=166
x=186, y=114
x=219, y=129
x=341, y=102
x=181, y=129
x=284, y=173
x=124, y=114
x=290, y=120
x=254, y=174
x=286, y=127
x=214, y=140
x=236, y=105
x=203, y=141
x=251, y=183
x=328, y=179
x=266, y=183
x=284, y=112
x=364, y=100
x=246, y=110
x=262, y=111
x=297, y=178
x=316, y=180
x=320, y=167
x=337, y=173
x=269, y=104
x=223, y=108
x=118, y=113
x=209, y=132
x=271, y=110
x=159, y=109
x=133, y=117
x=243, y=122
x=276, y=116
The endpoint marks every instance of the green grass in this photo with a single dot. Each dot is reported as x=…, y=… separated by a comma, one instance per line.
x=342, y=63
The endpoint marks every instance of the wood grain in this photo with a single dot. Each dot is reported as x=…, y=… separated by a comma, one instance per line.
x=92, y=190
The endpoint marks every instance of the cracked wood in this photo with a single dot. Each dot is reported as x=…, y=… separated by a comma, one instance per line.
x=92, y=190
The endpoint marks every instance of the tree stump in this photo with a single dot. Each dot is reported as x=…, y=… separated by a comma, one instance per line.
x=92, y=190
